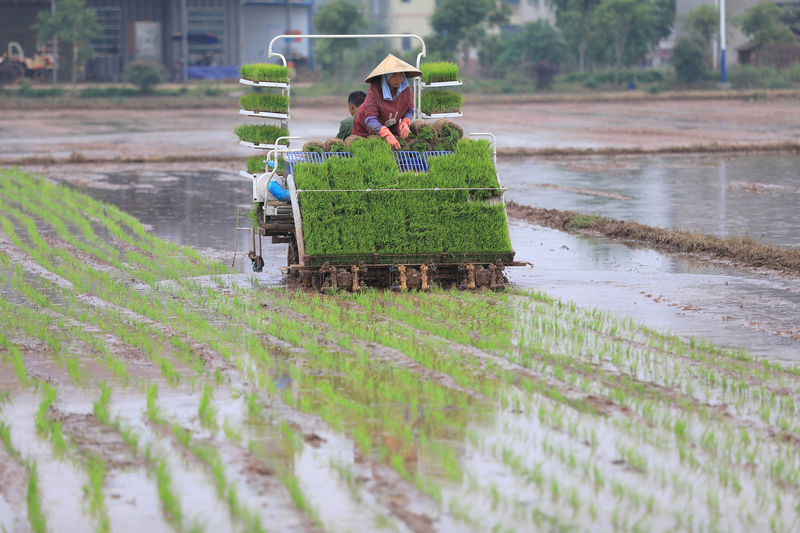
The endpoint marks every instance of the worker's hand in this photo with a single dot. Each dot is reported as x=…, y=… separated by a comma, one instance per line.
x=389, y=138
x=402, y=129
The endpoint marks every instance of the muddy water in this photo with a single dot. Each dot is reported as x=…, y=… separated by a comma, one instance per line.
x=727, y=306
x=755, y=195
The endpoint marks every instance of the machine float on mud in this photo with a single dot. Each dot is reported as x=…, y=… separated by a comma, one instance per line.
x=403, y=224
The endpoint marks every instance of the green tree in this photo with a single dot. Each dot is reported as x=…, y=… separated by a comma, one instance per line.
x=702, y=24
x=337, y=17
x=462, y=24
x=791, y=17
x=145, y=74
x=629, y=24
x=574, y=19
x=536, y=50
x=74, y=24
x=763, y=23
x=690, y=59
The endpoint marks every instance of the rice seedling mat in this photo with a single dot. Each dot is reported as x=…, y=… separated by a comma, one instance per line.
x=370, y=208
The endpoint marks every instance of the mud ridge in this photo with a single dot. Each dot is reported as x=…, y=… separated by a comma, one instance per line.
x=710, y=148
x=741, y=251
x=229, y=95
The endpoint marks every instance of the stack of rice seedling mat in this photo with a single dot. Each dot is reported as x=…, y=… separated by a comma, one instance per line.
x=418, y=225
x=439, y=102
x=260, y=104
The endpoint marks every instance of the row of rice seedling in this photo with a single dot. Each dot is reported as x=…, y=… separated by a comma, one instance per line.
x=344, y=218
x=632, y=458
x=206, y=410
x=598, y=419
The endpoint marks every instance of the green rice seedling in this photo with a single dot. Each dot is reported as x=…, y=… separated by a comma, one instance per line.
x=426, y=134
x=265, y=72
x=261, y=133
x=206, y=411
x=439, y=71
x=100, y=407
x=171, y=506
x=256, y=164
x=76, y=374
x=440, y=102
x=275, y=103
x=94, y=493
x=152, y=409
x=292, y=485
x=334, y=144
x=33, y=499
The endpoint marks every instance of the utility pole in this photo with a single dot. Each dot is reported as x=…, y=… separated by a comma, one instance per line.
x=288, y=53
x=184, y=42
x=55, y=47
x=722, y=40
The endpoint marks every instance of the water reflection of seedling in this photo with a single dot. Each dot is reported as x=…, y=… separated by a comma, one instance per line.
x=33, y=499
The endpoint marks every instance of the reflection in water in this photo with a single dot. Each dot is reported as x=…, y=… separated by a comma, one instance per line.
x=755, y=195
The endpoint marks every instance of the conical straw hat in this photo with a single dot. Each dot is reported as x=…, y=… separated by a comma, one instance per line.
x=390, y=65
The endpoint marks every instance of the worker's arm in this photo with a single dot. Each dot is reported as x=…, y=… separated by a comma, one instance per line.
x=373, y=124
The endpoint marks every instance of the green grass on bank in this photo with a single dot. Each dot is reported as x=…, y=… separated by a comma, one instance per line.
x=745, y=77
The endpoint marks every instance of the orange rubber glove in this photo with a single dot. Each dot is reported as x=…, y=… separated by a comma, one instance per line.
x=402, y=129
x=389, y=138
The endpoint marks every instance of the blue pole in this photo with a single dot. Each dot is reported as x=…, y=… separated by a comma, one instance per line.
x=722, y=40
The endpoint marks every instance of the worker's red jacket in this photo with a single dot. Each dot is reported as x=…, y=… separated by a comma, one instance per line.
x=375, y=106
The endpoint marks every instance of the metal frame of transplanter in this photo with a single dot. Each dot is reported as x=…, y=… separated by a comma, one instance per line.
x=448, y=266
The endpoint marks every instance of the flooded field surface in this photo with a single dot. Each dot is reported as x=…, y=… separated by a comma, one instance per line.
x=140, y=379
x=731, y=307
x=753, y=195
x=173, y=132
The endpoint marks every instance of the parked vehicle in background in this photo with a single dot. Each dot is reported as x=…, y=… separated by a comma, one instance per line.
x=14, y=64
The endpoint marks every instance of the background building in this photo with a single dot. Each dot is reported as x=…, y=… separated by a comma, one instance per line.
x=222, y=34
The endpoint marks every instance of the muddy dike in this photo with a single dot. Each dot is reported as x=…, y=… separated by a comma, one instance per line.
x=225, y=94
x=740, y=251
x=713, y=148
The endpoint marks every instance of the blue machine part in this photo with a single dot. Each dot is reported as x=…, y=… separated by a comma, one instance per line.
x=278, y=192
x=406, y=161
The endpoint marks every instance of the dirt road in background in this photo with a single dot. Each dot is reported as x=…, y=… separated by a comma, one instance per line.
x=647, y=125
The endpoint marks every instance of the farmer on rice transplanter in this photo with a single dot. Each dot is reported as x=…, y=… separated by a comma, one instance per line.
x=354, y=100
x=389, y=106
